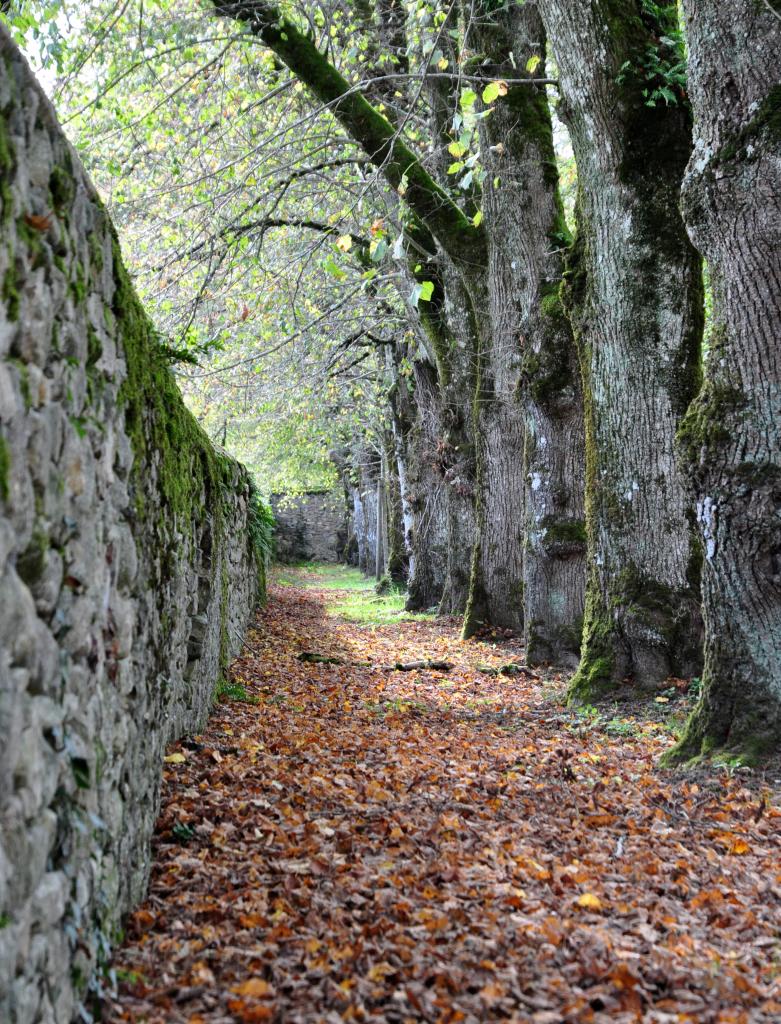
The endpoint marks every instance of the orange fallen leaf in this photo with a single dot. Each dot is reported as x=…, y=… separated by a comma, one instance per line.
x=250, y=1013
x=143, y=919
x=258, y=988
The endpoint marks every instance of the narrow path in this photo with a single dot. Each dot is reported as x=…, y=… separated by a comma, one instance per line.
x=364, y=844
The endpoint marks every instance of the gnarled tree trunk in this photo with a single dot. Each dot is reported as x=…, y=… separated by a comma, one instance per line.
x=635, y=299
x=730, y=439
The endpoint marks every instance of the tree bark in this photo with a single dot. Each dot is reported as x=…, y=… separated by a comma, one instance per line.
x=455, y=445
x=730, y=439
x=635, y=299
x=531, y=559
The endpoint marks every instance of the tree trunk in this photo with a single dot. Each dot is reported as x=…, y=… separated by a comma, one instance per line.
x=396, y=560
x=455, y=451
x=425, y=495
x=635, y=298
x=730, y=439
x=532, y=552
x=379, y=551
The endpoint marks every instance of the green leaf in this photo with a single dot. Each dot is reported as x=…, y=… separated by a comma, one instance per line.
x=533, y=63
x=377, y=249
x=468, y=98
x=334, y=270
x=456, y=149
x=491, y=92
x=426, y=290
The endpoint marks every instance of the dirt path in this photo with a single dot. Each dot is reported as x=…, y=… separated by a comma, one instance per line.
x=427, y=846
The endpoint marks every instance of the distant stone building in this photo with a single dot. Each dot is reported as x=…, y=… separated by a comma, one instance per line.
x=311, y=527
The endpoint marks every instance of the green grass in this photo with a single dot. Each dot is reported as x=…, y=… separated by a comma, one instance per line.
x=322, y=576
x=370, y=609
x=228, y=691
x=354, y=596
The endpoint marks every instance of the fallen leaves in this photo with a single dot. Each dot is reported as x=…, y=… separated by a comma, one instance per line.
x=370, y=844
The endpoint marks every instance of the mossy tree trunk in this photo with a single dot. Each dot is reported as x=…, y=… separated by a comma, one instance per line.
x=635, y=298
x=730, y=439
x=531, y=558
x=454, y=452
x=496, y=592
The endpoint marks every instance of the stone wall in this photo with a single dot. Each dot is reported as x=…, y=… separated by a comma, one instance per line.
x=310, y=527
x=126, y=570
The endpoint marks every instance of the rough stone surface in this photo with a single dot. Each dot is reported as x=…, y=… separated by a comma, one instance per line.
x=311, y=527
x=126, y=573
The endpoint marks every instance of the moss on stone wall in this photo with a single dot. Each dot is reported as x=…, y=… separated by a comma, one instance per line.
x=172, y=452
x=5, y=469
x=10, y=291
x=62, y=189
x=7, y=161
x=31, y=563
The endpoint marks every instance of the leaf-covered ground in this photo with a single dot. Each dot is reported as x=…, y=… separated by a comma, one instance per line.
x=362, y=844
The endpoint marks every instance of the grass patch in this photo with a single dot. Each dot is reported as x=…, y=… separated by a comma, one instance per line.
x=354, y=599
x=228, y=691
x=370, y=609
x=322, y=576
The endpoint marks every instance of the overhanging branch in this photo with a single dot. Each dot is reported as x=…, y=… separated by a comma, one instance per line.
x=429, y=203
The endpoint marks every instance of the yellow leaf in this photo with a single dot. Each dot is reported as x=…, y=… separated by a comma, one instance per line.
x=344, y=243
x=380, y=971
x=175, y=759
x=739, y=847
x=589, y=901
